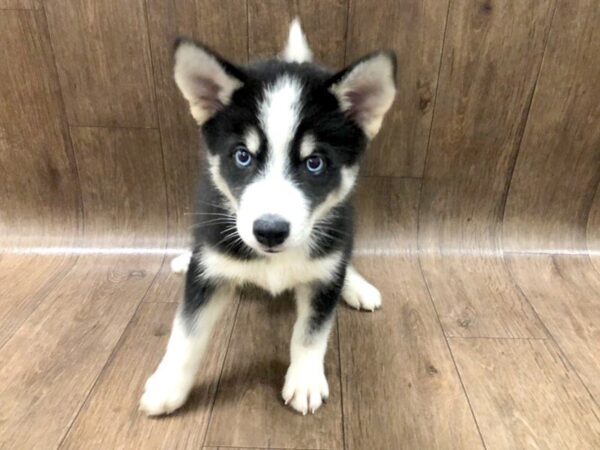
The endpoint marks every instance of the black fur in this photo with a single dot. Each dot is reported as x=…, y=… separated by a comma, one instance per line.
x=339, y=140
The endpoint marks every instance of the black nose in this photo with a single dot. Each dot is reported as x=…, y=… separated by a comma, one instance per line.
x=271, y=230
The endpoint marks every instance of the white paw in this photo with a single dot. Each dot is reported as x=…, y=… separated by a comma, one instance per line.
x=362, y=295
x=305, y=387
x=164, y=393
x=180, y=263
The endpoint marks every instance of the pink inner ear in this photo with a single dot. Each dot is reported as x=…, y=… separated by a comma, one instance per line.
x=206, y=91
x=362, y=100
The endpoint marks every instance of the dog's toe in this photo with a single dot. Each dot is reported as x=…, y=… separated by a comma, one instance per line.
x=163, y=394
x=305, y=388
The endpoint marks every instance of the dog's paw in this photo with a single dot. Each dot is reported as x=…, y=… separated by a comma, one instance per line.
x=305, y=387
x=180, y=263
x=362, y=295
x=164, y=393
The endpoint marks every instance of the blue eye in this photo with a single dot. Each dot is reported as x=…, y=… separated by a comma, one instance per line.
x=315, y=164
x=243, y=158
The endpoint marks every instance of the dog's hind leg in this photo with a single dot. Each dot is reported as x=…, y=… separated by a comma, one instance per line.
x=359, y=293
x=168, y=388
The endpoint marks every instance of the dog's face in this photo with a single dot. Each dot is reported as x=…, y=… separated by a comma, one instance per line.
x=284, y=136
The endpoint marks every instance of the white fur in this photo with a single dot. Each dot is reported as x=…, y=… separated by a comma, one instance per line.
x=359, y=293
x=274, y=273
x=296, y=49
x=373, y=80
x=194, y=67
x=273, y=192
x=214, y=162
x=180, y=263
x=168, y=388
x=252, y=140
x=307, y=147
x=335, y=197
x=305, y=385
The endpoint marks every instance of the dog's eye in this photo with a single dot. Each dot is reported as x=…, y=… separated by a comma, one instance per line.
x=243, y=158
x=315, y=164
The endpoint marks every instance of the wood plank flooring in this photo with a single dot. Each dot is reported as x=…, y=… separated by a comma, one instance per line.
x=83, y=339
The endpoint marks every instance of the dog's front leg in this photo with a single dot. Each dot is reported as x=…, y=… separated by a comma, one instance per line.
x=204, y=301
x=305, y=386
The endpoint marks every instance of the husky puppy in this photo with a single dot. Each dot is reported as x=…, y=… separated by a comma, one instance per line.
x=284, y=139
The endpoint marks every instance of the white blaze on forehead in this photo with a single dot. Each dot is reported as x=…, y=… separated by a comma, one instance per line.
x=252, y=140
x=279, y=116
x=274, y=191
x=307, y=147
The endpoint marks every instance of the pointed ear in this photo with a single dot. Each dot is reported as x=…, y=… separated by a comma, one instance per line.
x=296, y=49
x=366, y=90
x=205, y=79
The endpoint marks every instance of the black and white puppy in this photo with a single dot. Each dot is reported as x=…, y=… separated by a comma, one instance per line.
x=284, y=139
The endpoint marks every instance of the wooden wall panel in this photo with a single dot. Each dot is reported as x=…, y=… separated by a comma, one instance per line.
x=20, y=4
x=39, y=198
x=593, y=231
x=220, y=24
x=103, y=59
x=323, y=21
x=123, y=187
x=558, y=168
x=416, y=385
x=491, y=57
x=415, y=30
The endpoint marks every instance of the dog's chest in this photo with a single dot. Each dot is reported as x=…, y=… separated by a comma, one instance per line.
x=274, y=274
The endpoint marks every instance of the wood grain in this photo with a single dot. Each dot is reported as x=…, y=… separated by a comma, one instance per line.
x=123, y=188
x=248, y=408
x=476, y=297
x=491, y=58
x=221, y=24
x=397, y=357
x=593, y=231
x=525, y=396
x=492, y=54
x=25, y=280
x=103, y=60
x=564, y=290
x=39, y=198
x=386, y=216
x=52, y=361
x=400, y=388
x=558, y=168
x=323, y=21
x=21, y=4
x=110, y=418
x=414, y=29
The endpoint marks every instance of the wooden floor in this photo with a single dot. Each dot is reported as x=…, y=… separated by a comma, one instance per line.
x=482, y=351
x=478, y=219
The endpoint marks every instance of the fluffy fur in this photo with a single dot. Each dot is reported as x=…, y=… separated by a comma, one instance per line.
x=284, y=141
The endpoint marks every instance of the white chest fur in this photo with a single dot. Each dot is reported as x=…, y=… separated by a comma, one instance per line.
x=275, y=273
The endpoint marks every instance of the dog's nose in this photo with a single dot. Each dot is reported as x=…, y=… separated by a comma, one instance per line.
x=271, y=230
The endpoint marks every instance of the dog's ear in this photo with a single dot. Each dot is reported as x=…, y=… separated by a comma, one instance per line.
x=296, y=49
x=205, y=79
x=366, y=90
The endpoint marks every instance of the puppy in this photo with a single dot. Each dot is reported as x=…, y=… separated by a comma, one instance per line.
x=284, y=140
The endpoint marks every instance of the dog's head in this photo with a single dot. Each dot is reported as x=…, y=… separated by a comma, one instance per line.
x=284, y=136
